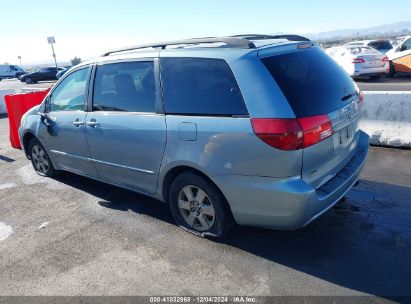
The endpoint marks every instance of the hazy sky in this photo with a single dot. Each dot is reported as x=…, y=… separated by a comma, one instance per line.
x=87, y=28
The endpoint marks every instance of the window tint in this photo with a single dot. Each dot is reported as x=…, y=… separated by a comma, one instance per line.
x=128, y=86
x=13, y=68
x=381, y=45
x=201, y=87
x=311, y=81
x=70, y=94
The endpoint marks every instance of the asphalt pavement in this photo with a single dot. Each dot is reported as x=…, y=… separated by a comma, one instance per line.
x=75, y=236
x=15, y=84
x=397, y=83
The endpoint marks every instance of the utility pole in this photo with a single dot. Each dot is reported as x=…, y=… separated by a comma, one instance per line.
x=52, y=41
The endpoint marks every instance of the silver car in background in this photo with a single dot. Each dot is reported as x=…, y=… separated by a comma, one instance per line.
x=360, y=61
x=254, y=129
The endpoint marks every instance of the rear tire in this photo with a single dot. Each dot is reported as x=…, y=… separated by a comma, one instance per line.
x=40, y=160
x=392, y=70
x=199, y=207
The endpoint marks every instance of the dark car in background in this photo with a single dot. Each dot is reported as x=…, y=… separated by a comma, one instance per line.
x=62, y=72
x=48, y=73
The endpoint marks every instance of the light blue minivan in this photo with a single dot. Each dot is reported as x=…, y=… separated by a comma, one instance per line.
x=254, y=129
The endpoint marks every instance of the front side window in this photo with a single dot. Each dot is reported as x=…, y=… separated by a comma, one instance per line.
x=13, y=68
x=70, y=94
x=200, y=86
x=125, y=86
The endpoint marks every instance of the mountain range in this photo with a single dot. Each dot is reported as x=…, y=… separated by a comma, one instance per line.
x=394, y=28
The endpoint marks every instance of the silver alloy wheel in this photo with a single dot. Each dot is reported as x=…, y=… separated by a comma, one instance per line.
x=29, y=80
x=40, y=159
x=196, y=208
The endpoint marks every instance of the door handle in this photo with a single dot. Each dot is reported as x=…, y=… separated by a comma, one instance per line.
x=92, y=123
x=78, y=123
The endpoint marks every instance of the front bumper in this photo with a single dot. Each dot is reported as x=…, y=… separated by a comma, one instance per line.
x=288, y=203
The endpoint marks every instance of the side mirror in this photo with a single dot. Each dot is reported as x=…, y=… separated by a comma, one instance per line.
x=44, y=118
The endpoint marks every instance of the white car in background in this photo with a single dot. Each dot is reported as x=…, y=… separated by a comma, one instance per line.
x=381, y=45
x=360, y=61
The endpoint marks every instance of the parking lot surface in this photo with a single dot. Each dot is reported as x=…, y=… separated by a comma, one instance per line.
x=397, y=83
x=15, y=84
x=75, y=236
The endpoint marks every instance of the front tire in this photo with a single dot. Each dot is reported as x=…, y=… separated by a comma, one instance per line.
x=199, y=207
x=40, y=160
x=28, y=80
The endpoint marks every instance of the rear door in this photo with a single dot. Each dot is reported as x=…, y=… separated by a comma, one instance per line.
x=315, y=86
x=126, y=129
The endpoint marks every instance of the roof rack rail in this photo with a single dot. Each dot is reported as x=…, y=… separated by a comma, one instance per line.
x=289, y=37
x=233, y=42
x=292, y=37
x=262, y=37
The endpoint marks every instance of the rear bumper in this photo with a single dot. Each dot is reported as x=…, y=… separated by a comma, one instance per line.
x=288, y=203
x=380, y=71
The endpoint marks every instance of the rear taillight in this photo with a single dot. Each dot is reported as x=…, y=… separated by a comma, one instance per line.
x=315, y=129
x=384, y=59
x=358, y=60
x=361, y=101
x=280, y=133
x=292, y=133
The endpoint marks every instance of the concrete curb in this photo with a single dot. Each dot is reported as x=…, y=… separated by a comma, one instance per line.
x=386, y=118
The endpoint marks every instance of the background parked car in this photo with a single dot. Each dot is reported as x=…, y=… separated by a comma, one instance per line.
x=10, y=71
x=62, y=72
x=400, y=57
x=48, y=73
x=360, y=61
x=381, y=45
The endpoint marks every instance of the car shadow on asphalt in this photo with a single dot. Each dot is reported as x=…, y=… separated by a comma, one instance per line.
x=363, y=244
x=117, y=198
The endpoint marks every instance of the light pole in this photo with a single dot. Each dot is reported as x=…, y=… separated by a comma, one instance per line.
x=52, y=41
x=19, y=58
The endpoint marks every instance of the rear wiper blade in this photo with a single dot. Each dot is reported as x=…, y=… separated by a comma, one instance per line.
x=346, y=97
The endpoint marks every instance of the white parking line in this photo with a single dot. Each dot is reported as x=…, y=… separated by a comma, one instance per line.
x=5, y=231
x=7, y=186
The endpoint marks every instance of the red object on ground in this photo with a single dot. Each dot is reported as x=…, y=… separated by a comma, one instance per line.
x=17, y=105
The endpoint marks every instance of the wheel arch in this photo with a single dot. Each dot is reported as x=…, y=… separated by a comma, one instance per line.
x=27, y=137
x=172, y=174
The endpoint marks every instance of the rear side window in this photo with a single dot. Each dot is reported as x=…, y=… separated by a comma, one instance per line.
x=200, y=86
x=127, y=86
x=312, y=82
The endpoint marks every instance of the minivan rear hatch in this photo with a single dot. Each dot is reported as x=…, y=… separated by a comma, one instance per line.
x=317, y=89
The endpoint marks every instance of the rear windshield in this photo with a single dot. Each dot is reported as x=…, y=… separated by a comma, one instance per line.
x=311, y=81
x=381, y=45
